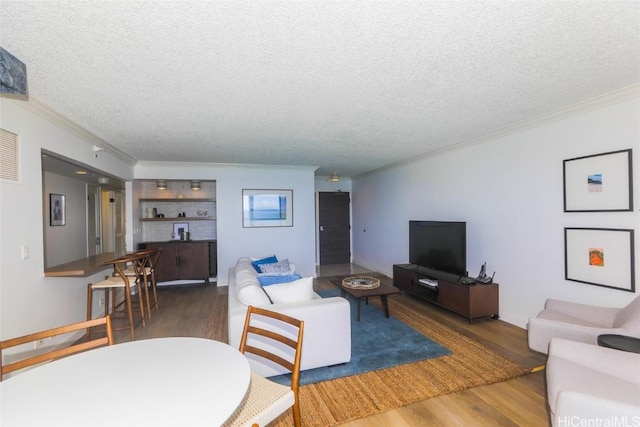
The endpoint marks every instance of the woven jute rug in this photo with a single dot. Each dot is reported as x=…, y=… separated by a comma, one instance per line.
x=341, y=400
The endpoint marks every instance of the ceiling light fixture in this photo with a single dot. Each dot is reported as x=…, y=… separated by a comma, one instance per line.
x=334, y=177
x=195, y=185
x=81, y=172
x=161, y=184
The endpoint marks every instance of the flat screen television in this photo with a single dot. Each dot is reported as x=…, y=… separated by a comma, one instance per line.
x=439, y=245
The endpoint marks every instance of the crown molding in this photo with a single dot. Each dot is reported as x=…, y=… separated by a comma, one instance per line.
x=625, y=94
x=163, y=163
x=57, y=119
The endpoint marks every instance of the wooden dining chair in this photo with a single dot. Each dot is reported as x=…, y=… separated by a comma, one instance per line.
x=77, y=347
x=118, y=280
x=266, y=400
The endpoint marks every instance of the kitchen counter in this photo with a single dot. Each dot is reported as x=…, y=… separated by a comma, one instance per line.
x=82, y=267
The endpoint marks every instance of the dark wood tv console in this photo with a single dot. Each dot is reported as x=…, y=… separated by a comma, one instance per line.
x=472, y=301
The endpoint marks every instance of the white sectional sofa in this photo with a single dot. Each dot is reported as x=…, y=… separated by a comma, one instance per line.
x=327, y=321
x=591, y=385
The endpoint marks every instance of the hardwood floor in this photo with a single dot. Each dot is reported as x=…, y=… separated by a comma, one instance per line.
x=201, y=311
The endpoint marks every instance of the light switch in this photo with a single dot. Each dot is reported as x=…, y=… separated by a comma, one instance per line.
x=25, y=252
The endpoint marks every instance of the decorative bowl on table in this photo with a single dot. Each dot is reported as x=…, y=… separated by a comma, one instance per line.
x=361, y=282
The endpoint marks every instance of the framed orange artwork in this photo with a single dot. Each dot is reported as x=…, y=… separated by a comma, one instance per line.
x=600, y=256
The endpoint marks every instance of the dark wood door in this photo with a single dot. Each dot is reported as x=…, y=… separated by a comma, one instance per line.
x=335, y=229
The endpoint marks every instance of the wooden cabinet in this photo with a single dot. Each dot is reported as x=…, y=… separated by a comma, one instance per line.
x=472, y=301
x=168, y=264
x=213, y=259
x=182, y=260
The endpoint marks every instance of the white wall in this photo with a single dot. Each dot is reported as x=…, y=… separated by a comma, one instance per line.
x=509, y=190
x=296, y=243
x=28, y=301
x=322, y=183
x=68, y=242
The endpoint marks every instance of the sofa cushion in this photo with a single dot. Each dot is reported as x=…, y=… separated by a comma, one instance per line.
x=298, y=290
x=275, y=280
x=268, y=260
x=280, y=268
x=249, y=292
x=565, y=318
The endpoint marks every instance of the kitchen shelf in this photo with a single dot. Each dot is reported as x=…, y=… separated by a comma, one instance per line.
x=198, y=208
x=180, y=218
x=176, y=200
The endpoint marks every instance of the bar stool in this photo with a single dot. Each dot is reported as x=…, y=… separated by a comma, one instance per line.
x=137, y=271
x=145, y=271
x=150, y=271
x=118, y=280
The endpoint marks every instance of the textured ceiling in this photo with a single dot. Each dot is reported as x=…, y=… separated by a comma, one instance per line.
x=346, y=86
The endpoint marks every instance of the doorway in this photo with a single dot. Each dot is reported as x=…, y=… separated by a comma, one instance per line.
x=93, y=220
x=334, y=227
x=113, y=221
x=84, y=190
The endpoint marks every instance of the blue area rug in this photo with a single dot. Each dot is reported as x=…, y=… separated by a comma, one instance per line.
x=376, y=343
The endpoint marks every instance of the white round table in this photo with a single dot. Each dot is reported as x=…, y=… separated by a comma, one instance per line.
x=155, y=382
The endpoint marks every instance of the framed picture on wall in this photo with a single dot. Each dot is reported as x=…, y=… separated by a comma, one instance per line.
x=267, y=208
x=57, y=208
x=179, y=229
x=600, y=256
x=599, y=183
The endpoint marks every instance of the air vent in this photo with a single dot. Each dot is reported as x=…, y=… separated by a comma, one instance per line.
x=9, y=164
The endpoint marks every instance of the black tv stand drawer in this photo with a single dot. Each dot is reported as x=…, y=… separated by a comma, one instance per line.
x=471, y=301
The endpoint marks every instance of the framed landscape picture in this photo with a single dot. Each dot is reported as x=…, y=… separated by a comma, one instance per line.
x=600, y=256
x=599, y=183
x=267, y=208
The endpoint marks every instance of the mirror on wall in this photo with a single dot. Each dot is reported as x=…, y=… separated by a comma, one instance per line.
x=83, y=210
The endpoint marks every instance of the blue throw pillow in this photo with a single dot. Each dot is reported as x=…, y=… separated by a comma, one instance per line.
x=269, y=260
x=274, y=280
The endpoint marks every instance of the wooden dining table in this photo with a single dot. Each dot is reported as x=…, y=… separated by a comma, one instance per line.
x=176, y=381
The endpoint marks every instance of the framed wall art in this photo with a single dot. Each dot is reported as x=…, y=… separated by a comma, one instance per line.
x=599, y=183
x=179, y=228
x=57, y=208
x=600, y=256
x=267, y=208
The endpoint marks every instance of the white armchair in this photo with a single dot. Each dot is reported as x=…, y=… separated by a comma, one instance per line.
x=582, y=323
x=586, y=383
